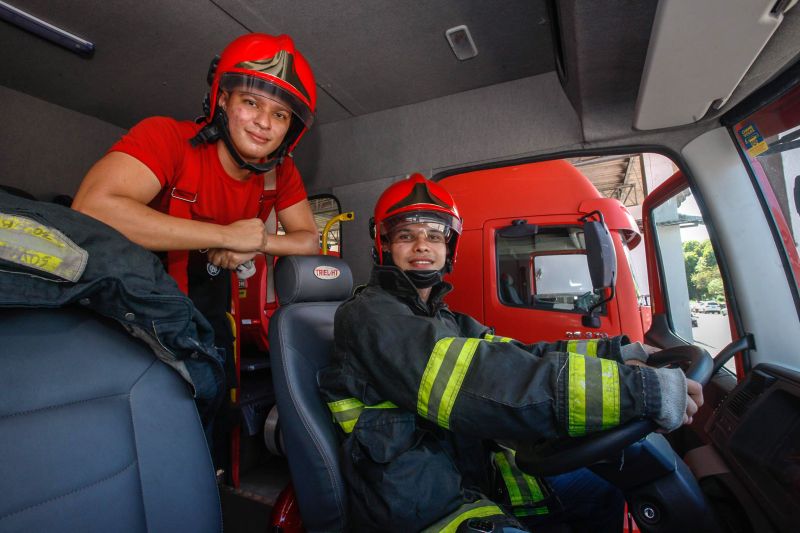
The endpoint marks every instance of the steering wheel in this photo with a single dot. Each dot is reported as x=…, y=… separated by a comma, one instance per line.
x=564, y=455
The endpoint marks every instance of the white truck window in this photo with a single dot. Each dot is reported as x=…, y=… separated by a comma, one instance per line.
x=546, y=271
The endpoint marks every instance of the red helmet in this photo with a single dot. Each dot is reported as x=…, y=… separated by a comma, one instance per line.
x=271, y=65
x=416, y=199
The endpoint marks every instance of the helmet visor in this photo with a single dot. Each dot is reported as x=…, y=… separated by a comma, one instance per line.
x=439, y=227
x=232, y=81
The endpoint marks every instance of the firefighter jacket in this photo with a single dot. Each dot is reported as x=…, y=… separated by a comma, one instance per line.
x=419, y=390
x=53, y=256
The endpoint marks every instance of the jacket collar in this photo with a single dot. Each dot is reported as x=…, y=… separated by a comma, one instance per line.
x=393, y=280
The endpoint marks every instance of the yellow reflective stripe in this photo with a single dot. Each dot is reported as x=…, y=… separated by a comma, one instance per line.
x=31, y=257
x=610, y=388
x=591, y=348
x=429, y=376
x=523, y=490
x=572, y=346
x=587, y=347
x=533, y=486
x=344, y=405
x=348, y=425
x=514, y=495
x=495, y=338
x=382, y=405
x=576, y=395
x=347, y=411
x=30, y=227
x=478, y=509
x=454, y=383
x=527, y=511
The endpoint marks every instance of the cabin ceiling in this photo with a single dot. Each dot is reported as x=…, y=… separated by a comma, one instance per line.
x=152, y=56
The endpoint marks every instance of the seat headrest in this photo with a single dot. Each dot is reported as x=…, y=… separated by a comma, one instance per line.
x=312, y=278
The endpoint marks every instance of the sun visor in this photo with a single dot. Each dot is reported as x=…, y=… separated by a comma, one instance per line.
x=617, y=218
x=698, y=54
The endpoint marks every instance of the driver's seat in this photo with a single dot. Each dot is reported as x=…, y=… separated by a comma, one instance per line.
x=310, y=289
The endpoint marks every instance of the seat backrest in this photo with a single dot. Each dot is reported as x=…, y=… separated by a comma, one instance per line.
x=310, y=289
x=508, y=290
x=96, y=434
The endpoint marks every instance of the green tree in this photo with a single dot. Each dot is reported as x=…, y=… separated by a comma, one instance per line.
x=707, y=253
x=691, y=255
x=715, y=289
x=705, y=279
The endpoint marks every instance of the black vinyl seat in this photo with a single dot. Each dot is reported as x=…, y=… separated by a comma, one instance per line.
x=310, y=289
x=96, y=434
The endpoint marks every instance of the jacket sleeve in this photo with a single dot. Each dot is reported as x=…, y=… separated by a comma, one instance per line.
x=489, y=388
x=609, y=348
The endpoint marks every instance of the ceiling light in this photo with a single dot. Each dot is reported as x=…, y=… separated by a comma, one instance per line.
x=45, y=30
x=461, y=42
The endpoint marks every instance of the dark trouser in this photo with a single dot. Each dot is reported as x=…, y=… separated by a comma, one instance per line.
x=210, y=291
x=589, y=502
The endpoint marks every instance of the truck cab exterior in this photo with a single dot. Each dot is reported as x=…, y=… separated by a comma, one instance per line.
x=538, y=287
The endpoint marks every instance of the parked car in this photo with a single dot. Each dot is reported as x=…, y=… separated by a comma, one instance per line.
x=711, y=307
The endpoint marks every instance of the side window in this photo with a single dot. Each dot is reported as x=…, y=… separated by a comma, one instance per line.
x=325, y=207
x=545, y=271
x=693, y=285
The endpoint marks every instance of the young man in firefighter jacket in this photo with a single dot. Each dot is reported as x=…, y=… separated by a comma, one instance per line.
x=201, y=192
x=422, y=394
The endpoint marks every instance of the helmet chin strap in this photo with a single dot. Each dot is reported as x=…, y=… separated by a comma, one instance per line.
x=421, y=279
x=218, y=129
x=424, y=279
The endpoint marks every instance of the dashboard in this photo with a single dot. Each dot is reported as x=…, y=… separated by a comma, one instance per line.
x=757, y=431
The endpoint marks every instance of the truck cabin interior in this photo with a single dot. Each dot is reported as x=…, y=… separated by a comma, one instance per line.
x=659, y=104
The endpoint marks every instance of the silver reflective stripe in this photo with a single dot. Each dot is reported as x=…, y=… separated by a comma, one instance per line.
x=28, y=243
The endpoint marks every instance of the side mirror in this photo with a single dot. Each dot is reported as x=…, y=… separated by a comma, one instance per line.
x=600, y=254
x=602, y=261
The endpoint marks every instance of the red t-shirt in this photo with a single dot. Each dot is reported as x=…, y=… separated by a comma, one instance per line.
x=162, y=144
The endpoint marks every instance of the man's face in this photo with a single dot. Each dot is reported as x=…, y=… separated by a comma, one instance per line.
x=418, y=246
x=257, y=123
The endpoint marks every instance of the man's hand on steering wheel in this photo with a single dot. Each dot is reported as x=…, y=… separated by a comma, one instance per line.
x=694, y=400
x=694, y=395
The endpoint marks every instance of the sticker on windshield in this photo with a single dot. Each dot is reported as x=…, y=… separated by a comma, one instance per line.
x=752, y=139
x=26, y=242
